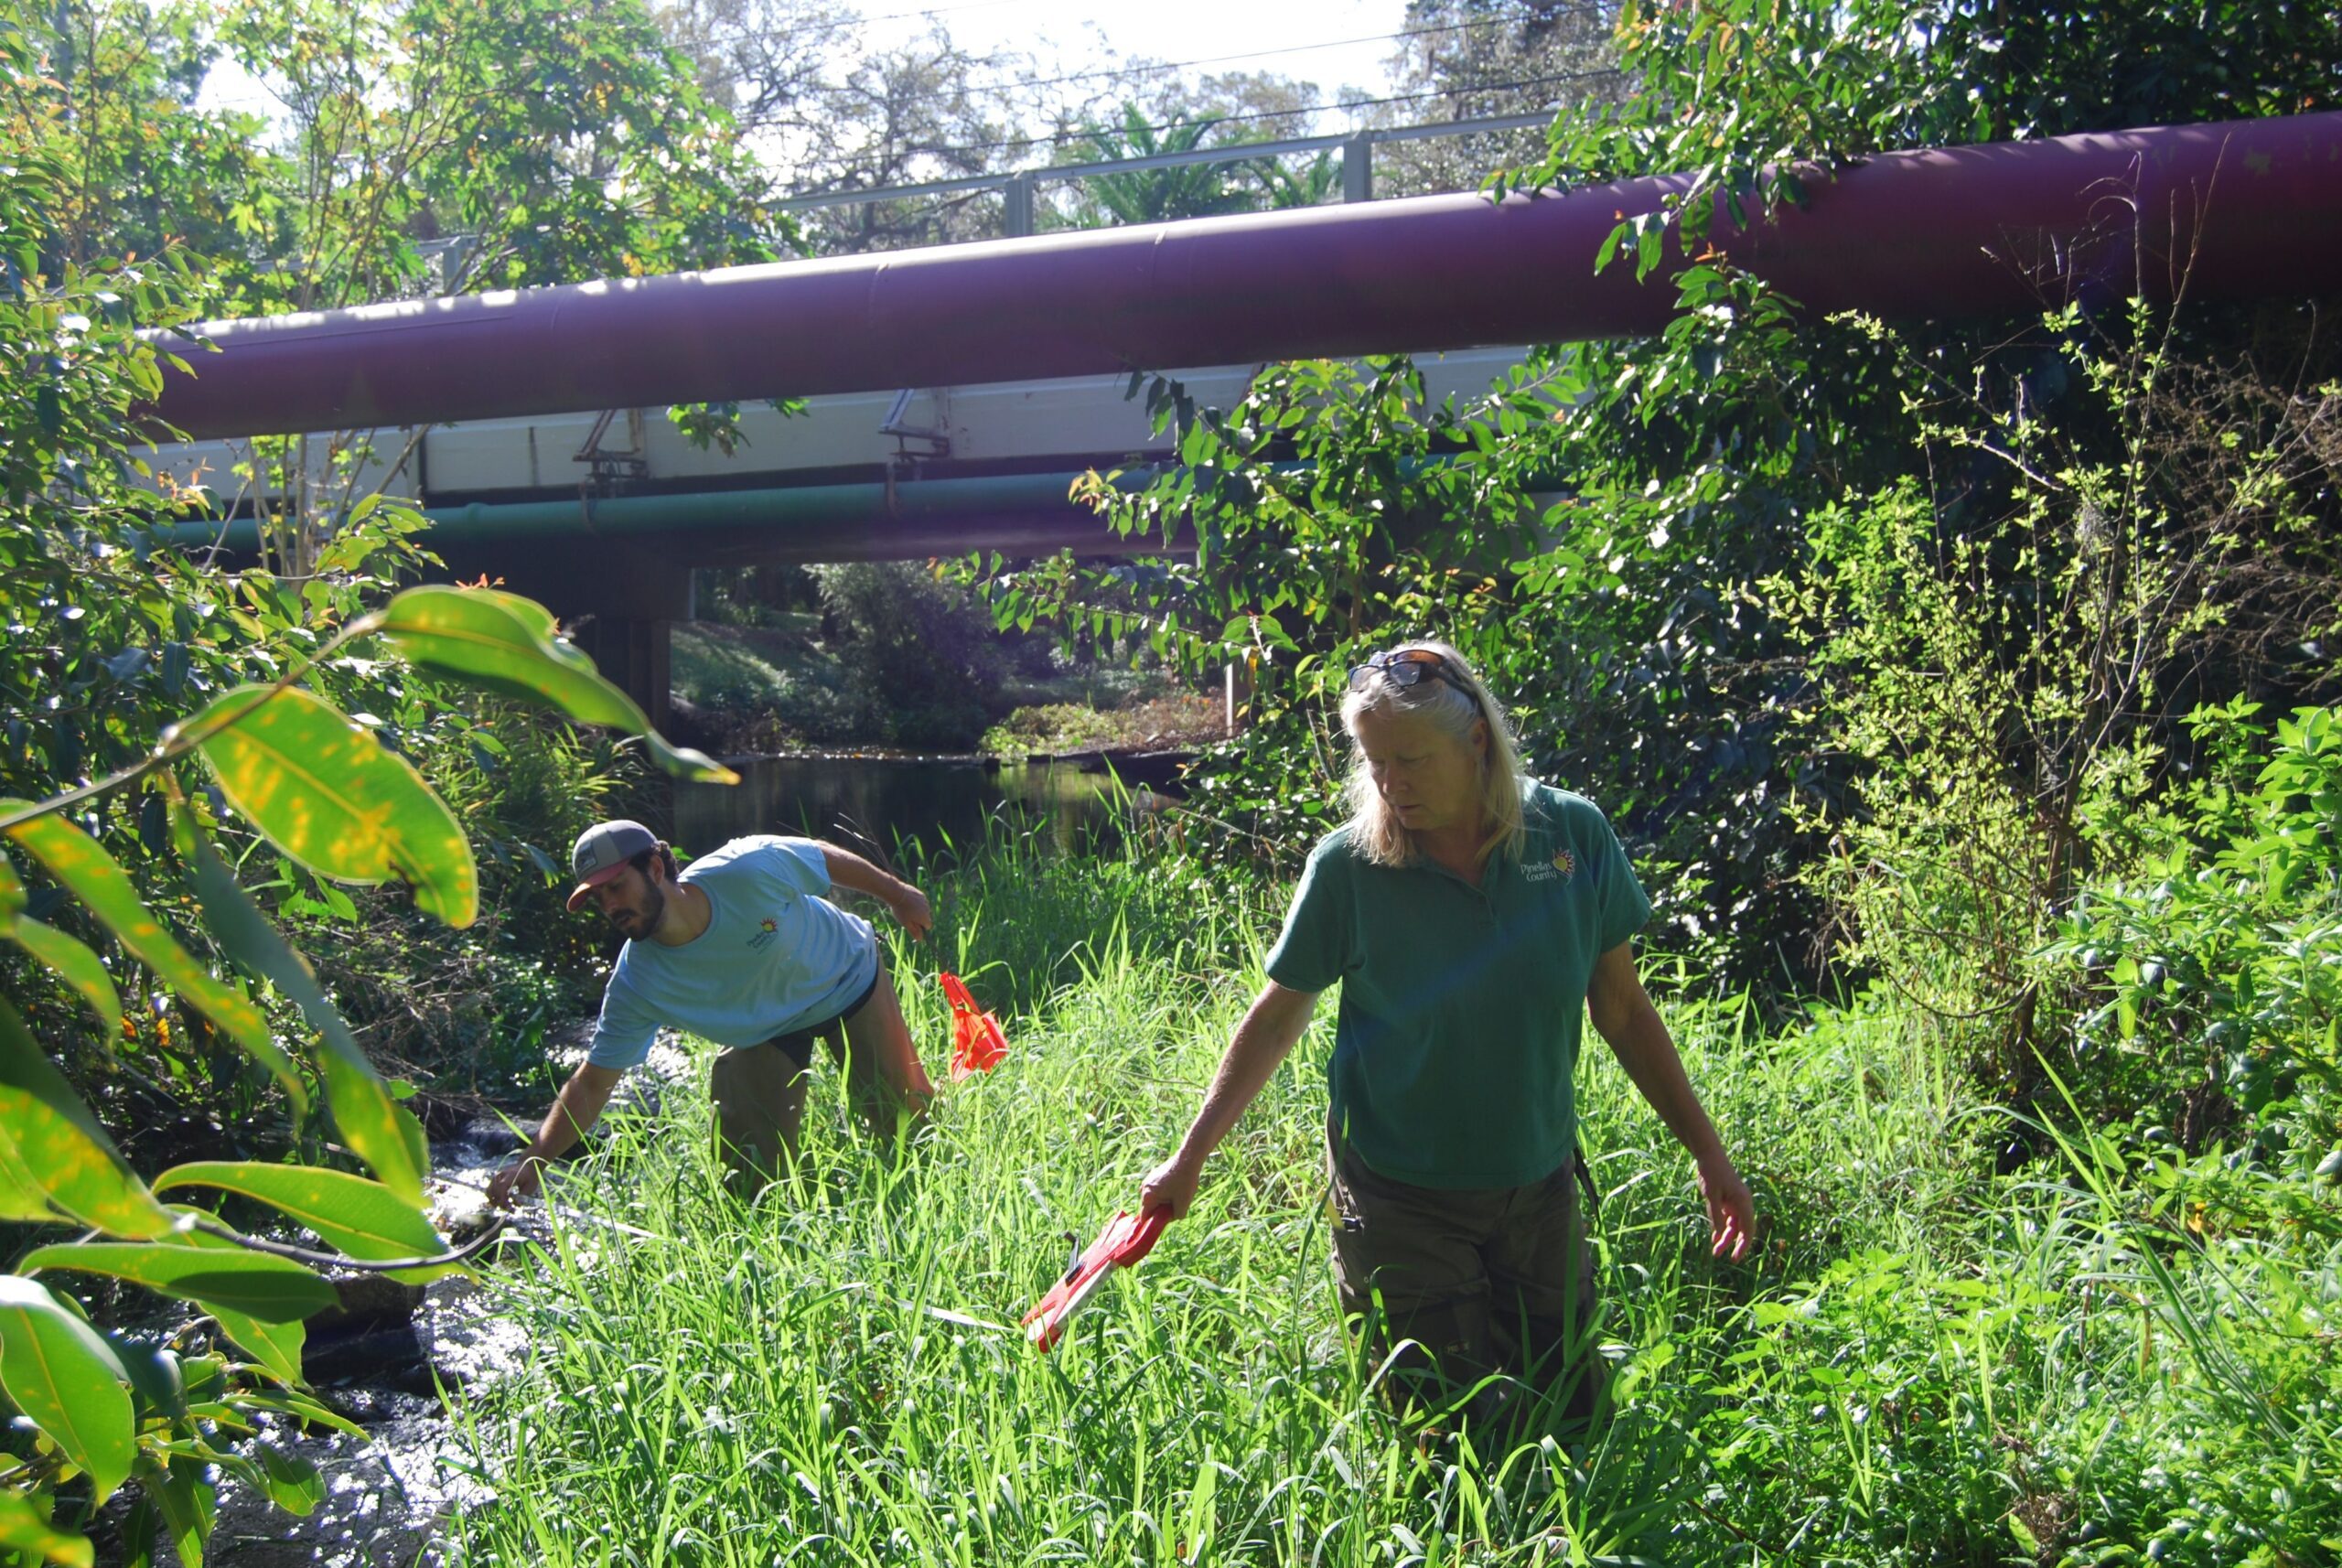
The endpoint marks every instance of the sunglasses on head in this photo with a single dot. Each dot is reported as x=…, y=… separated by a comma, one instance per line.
x=1409, y=667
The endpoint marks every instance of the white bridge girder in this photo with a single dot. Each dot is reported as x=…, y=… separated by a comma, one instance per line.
x=1075, y=423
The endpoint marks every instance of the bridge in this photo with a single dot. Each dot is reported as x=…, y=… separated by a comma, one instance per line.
x=603, y=516
x=531, y=425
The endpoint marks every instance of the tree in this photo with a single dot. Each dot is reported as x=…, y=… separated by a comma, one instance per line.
x=538, y=142
x=1647, y=629
x=140, y=169
x=114, y=635
x=768, y=62
x=421, y=146
x=1190, y=190
x=1466, y=60
x=827, y=114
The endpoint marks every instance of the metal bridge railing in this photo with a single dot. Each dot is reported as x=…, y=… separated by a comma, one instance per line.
x=1016, y=187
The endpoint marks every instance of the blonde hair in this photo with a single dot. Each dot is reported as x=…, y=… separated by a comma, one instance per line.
x=1452, y=708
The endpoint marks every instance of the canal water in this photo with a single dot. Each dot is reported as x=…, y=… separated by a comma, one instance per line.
x=945, y=803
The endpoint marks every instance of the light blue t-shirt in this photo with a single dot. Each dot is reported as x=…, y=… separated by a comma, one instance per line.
x=775, y=957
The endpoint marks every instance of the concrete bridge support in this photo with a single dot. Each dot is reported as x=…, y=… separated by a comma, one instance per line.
x=616, y=600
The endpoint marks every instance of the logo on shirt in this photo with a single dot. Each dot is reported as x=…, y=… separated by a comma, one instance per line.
x=1561, y=869
x=766, y=928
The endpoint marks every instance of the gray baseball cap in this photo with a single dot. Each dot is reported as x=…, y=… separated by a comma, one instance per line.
x=602, y=853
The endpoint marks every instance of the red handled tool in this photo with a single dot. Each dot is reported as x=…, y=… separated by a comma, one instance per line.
x=1126, y=1239
x=977, y=1044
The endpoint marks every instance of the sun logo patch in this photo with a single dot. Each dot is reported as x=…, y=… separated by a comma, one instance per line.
x=769, y=925
x=767, y=930
x=1561, y=869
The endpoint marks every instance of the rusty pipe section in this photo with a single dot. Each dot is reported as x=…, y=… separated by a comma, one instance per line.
x=2231, y=210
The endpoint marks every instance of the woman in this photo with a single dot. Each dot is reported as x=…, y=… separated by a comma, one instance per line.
x=1473, y=916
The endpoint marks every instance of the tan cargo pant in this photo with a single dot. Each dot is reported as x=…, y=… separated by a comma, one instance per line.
x=759, y=1093
x=1486, y=1295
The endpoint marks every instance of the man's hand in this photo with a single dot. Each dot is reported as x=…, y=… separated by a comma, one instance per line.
x=1732, y=1211
x=856, y=875
x=1172, y=1185
x=911, y=910
x=517, y=1179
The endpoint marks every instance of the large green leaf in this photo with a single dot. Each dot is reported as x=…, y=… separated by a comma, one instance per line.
x=292, y=1483
x=143, y=1526
x=273, y=1289
x=12, y=890
x=510, y=645
x=372, y=1123
x=307, y=1411
x=20, y=1196
x=276, y=1347
x=334, y=798
x=59, y=1148
x=67, y=1382
x=189, y=1503
x=81, y=863
x=376, y=1126
x=364, y=1219
x=23, y=1529
x=77, y=966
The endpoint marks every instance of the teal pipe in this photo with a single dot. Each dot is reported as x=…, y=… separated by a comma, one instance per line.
x=777, y=510
x=800, y=506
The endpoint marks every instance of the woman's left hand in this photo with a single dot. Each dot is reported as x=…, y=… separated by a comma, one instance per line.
x=1732, y=1211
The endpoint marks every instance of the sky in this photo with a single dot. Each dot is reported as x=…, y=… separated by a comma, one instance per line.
x=1334, y=43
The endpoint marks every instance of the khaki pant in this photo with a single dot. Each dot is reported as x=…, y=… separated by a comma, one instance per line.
x=1469, y=1285
x=759, y=1097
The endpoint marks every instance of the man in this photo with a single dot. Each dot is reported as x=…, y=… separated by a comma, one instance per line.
x=743, y=950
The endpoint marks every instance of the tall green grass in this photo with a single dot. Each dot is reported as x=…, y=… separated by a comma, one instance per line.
x=1926, y=1364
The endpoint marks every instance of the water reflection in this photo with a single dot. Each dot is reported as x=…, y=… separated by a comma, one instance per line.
x=941, y=802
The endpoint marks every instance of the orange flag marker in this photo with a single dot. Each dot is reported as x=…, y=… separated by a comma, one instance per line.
x=977, y=1044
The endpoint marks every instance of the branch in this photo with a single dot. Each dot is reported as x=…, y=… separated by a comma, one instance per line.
x=180, y=739
x=470, y=1248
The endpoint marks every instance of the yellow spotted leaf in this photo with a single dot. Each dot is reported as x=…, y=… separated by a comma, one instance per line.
x=20, y=1196
x=274, y=1290
x=276, y=1347
x=25, y=1531
x=329, y=794
x=82, y=865
x=58, y=1147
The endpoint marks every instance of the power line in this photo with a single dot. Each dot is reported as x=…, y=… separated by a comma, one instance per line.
x=1065, y=136
x=932, y=11
x=1158, y=66
x=1589, y=7
x=1060, y=138
x=837, y=23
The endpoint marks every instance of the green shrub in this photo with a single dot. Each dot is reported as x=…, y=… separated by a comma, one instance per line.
x=922, y=657
x=1053, y=727
x=2209, y=982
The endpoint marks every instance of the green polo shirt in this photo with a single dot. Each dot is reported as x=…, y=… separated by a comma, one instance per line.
x=1462, y=1007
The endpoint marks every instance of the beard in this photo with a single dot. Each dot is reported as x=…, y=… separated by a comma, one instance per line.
x=652, y=911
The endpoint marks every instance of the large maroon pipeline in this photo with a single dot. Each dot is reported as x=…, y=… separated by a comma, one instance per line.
x=2250, y=207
